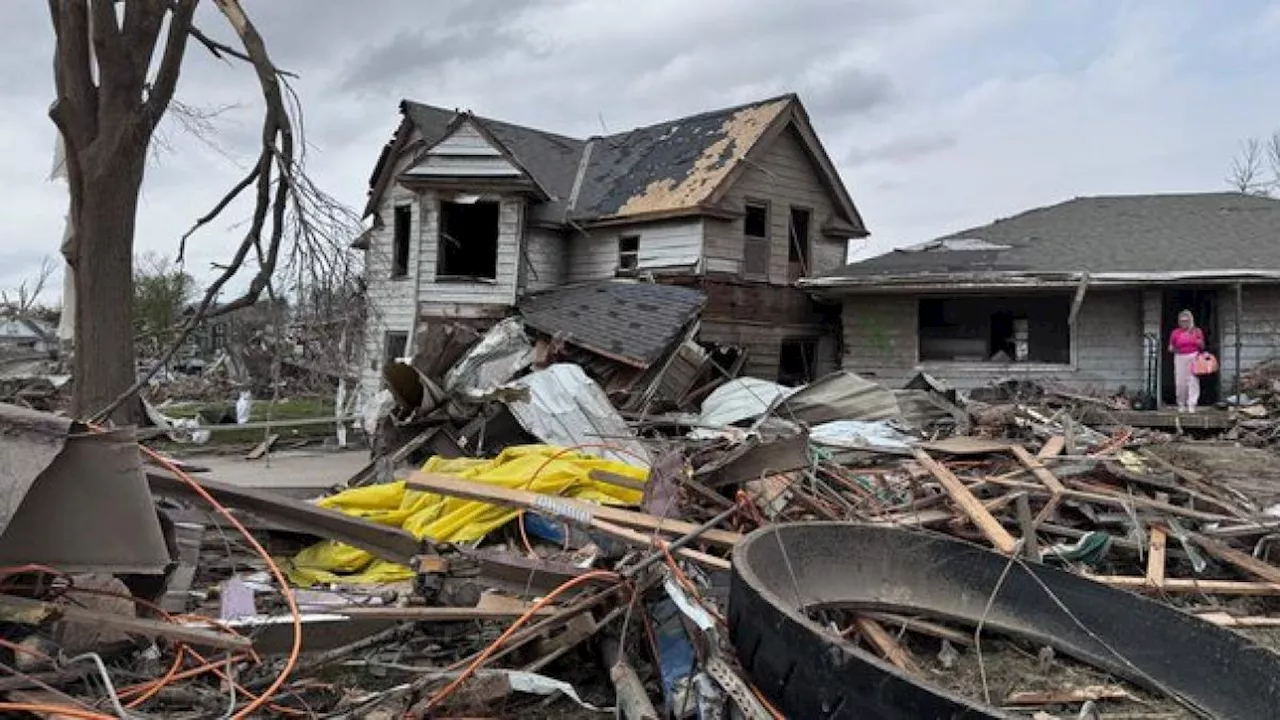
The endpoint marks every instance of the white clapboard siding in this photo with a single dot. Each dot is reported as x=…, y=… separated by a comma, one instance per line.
x=546, y=259
x=465, y=153
x=669, y=245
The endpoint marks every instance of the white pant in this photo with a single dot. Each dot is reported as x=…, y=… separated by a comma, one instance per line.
x=1186, y=383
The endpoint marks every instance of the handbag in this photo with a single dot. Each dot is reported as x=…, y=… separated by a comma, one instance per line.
x=1204, y=363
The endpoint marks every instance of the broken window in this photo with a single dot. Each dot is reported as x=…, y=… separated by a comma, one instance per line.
x=393, y=346
x=400, y=233
x=796, y=361
x=468, y=240
x=755, y=233
x=1028, y=329
x=628, y=254
x=798, y=248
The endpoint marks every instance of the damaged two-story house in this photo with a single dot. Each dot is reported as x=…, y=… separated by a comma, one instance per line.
x=468, y=215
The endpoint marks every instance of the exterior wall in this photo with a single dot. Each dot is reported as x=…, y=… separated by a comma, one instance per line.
x=880, y=338
x=1260, y=339
x=763, y=343
x=674, y=245
x=499, y=291
x=784, y=177
x=545, y=262
x=392, y=301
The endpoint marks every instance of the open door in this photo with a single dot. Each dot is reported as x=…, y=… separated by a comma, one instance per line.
x=1203, y=303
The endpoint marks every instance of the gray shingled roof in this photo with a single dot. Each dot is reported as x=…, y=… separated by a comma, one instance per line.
x=551, y=159
x=629, y=321
x=1137, y=233
x=668, y=166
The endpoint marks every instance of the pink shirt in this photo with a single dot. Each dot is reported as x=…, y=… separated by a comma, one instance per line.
x=1185, y=342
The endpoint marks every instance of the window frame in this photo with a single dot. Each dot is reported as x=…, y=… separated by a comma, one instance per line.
x=401, y=244
x=994, y=368
x=762, y=243
x=622, y=270
x=440, y=274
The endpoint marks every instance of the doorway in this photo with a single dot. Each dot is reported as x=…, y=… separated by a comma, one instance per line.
x=1203, y=303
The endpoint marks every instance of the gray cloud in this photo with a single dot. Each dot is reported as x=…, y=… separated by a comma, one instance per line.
x=907, y=147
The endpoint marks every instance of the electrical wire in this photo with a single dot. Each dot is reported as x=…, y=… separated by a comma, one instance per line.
x=475, y=665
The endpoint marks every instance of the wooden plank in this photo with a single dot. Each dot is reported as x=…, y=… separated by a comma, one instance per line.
x=22, y=610
x=1042, y=474
x=899, y=656
x=1172, y=585
x=635, y=538
x=438, y=614
x=1052, y=447
x=1222, y=619
x=1030, y=547
x=1067, y=696
x=1116, y=500
x=970, y=505
x=1155, y=556
x=563, y=507
x=262, y=447
x=1240, y=560
x=924, y=627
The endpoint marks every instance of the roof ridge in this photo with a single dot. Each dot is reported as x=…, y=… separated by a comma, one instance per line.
x=494, y=121
x=704, y=114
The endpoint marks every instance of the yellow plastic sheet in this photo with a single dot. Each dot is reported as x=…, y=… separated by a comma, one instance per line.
x=538, y=468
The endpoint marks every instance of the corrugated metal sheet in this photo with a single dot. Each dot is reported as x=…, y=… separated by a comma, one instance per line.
x=741, y=399
x=566, y=408
x=842, y=395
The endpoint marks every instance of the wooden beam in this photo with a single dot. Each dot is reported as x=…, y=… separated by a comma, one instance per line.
x=25, y=610
x=1042, y=474
x=1052, y=447
x=889, y=647
x=635, y=538
x=970, y=505
x=1078, y=300
x=924, y=627
x=437, y=614
x=1186, y=585
x=1155, y=557
x=1240, y=560
x=563, y=507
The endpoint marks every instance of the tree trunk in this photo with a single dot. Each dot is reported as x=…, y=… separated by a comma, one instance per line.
x=105, y=363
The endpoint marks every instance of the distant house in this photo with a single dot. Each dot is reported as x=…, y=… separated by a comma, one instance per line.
x=1083, y=292
x=469, y=214
x=21, y=334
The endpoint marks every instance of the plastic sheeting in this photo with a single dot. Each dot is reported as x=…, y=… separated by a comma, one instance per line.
x=538, y=468
x=567, y=408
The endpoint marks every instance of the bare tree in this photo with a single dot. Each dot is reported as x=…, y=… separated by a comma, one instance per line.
x=25, y=299
x=109, y=103
x=1256, y=167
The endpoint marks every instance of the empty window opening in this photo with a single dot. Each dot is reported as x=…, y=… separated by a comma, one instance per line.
x=468, y=240
x=796, y=361
x=798, y=248
x=996, y=330
x=393, y=346
x=755, y=231
x=628, y=254
x=401, y=225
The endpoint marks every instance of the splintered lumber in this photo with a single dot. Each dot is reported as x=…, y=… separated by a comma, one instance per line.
x=899, y=656
x=924, y=627
x=970, y=505
x=262, y=447
x=563, y=507
x=1189, y=585
x=1042, y=474
x=438, y=614
x=1241, y=560
x=26, y=610
x=1222, y=619
x=633, y=701
x=1030, y=547
x=1155, y=557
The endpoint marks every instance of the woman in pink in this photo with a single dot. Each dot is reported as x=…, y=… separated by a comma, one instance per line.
x=1185, y=342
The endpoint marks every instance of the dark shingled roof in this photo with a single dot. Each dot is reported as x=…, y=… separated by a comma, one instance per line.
x=674, y=165
x=1138, y=233
x=551, y=159
x=628, y=321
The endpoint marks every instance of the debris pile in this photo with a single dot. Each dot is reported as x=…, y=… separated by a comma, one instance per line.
x=561, y=517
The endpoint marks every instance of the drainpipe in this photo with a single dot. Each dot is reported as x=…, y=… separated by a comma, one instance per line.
x=1239, y=305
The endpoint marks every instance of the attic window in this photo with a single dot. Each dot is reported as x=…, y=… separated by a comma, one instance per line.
x=628, y=254
x=468, y=240
x=755, y=235
x=400, y=235
x=997, y=330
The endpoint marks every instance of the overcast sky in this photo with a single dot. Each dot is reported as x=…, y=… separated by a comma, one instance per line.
x=940, y=114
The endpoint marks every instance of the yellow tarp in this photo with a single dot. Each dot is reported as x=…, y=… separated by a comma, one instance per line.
x=538, y=468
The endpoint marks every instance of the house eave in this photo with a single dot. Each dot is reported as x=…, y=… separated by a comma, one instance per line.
x=830, y=287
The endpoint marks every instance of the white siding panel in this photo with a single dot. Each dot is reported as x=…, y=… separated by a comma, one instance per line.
x=546, y=259
x=465, y=153
x=674, y=244
x=1260, y=337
